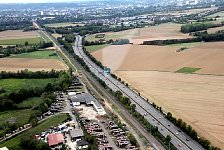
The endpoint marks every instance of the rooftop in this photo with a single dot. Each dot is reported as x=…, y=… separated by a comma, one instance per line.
x=76, y=133
x=55, y=139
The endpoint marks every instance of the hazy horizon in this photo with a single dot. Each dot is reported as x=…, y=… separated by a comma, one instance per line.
x=39, y=1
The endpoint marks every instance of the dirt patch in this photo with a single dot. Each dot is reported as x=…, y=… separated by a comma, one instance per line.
x=56, y=35
x=17, y=34
x=207, y=56
x=190, y=97
x=15, y=64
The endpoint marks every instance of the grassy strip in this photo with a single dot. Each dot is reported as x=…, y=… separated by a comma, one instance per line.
x=16, y=84
x=42, y=54
x=187, y=70
x=94, y=48
x=14, y=142
x=35, y=40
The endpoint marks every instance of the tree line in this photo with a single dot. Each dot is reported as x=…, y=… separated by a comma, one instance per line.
x=198, y=27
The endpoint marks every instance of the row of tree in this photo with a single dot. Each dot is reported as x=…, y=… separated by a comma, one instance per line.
x=30, y=75
x=198, y=27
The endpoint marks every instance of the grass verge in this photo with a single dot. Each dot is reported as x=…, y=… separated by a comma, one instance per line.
x=94, y=48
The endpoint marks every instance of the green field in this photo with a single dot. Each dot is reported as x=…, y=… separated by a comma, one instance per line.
x=106, y=37
x=42, y=54
x=35, y=40
x=16, y=84
x=64, y=24
x=187, y=70
x=21, y=116
x=13, y=143
x=30, y=103
x=94, y=48
x=221, y=14
x=187, y=45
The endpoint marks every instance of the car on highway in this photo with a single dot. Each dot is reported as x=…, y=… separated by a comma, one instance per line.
x=177, y=133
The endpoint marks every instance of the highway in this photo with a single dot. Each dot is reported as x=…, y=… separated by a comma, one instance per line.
x=153, y=116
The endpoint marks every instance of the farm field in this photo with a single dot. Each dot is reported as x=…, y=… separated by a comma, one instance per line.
x=207, y=56
x=65, y=24
x=15, y=84
x=35, y=40
x=190, y=97
x=94, y=48
x=137, y=36
x=41, y=54
x=18, y=34
x=52, y=121
x=32, y=64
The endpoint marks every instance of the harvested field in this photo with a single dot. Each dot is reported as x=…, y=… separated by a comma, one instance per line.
x=160, y=32
x=18, y=34
x=190, y=97
x=207, y=56
x=15, y=64
x=137, y=36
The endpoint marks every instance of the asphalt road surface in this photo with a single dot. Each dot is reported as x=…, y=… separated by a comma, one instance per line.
x=165, y=127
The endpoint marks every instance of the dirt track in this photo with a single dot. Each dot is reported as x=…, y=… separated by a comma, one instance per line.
x=197, y=99
x=15, y=64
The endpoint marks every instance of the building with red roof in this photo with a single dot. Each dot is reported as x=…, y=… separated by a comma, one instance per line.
x=55, y=140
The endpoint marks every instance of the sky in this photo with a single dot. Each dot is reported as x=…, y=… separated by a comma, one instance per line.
x=35, y=1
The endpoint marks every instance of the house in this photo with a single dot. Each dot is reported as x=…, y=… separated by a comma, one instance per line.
x=55, y=140
x=76, y=134
x=82, y=144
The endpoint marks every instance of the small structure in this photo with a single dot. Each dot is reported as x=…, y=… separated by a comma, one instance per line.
x=82, y=144
x=4, y=148
x=55, y=140
x=76, y=134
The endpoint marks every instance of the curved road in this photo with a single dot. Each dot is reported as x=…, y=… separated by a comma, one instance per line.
x=179, y=139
